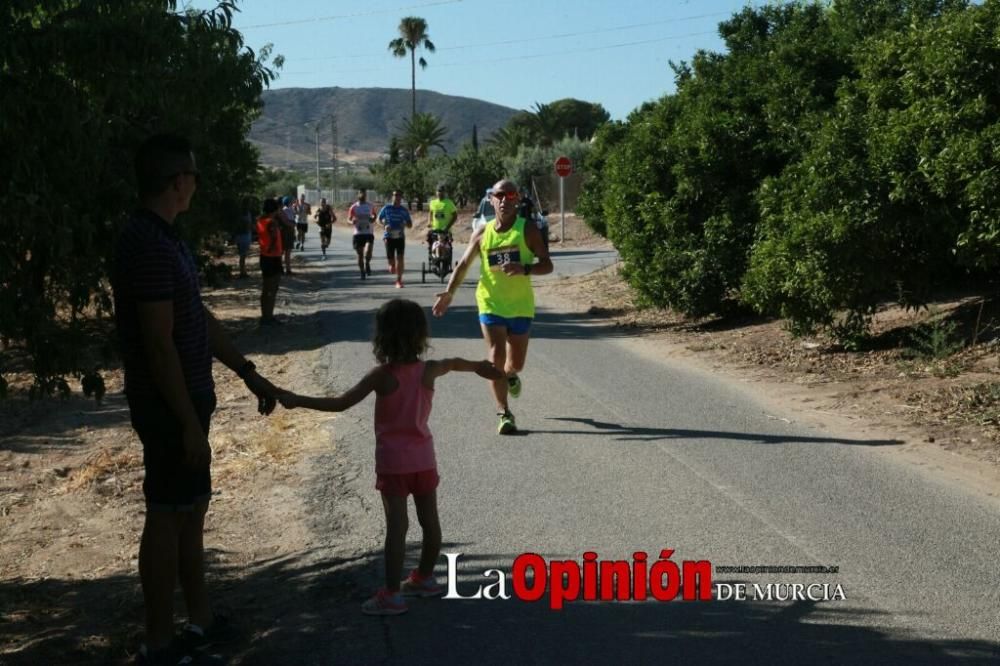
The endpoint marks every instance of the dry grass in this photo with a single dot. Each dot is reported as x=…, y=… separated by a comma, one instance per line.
x=101, y=466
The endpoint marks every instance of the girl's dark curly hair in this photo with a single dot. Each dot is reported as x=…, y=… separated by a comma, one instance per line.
x=401, y=332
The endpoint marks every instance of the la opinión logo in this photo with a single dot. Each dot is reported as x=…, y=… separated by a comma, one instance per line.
x=531, y=578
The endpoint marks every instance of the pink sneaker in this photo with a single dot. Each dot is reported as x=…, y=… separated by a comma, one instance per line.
x=384, y=603
x=419, y=586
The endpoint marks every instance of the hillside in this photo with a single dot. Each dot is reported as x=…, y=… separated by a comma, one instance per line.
x=366, y=118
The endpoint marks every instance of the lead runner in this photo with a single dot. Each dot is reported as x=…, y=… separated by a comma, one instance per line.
x=510, y=250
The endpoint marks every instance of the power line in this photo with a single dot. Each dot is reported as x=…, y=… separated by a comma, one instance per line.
x=564, y=35
x=466, y=63
x=374, y=12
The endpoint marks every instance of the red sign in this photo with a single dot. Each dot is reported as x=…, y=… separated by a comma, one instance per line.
x=564, y=166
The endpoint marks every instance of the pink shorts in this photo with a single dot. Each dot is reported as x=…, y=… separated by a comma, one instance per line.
x=413, y=483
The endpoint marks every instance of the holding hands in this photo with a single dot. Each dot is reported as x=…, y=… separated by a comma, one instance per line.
x=265, y=391
x=289, y=400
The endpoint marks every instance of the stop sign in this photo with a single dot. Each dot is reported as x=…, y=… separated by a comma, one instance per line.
x=564, y=166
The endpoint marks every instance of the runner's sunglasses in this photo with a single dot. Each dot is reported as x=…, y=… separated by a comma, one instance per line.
x=509, y=196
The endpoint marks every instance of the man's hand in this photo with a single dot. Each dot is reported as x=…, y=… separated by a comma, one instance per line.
x=288, y=399
x=513, y=268
x=265, y=391
x=197, y=452
x=441, y=303
x=487, y=370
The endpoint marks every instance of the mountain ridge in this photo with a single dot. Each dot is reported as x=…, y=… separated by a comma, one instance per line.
x=366, y=118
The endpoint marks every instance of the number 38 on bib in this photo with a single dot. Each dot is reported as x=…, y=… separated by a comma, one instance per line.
x=499, y=256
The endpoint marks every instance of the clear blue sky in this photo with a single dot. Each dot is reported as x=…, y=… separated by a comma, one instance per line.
x=514, y=53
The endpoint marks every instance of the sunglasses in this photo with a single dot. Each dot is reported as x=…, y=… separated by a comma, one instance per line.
x=509, y=196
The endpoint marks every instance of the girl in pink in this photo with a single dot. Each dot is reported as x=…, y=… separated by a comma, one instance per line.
x=404, y=446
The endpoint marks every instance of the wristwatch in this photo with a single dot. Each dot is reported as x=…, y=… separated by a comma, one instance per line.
x=245, y=369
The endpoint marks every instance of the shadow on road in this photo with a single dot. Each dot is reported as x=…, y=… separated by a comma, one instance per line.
x=304, y=609
x=643, y=434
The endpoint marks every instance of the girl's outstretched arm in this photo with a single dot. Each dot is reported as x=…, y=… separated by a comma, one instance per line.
x=373, y=381
x=440, y=367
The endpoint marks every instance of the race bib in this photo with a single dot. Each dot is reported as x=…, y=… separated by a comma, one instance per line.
x=499, y=256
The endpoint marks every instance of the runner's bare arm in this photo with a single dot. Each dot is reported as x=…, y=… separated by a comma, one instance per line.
x=443, y=299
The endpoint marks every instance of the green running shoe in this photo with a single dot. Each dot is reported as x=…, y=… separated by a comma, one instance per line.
x=506, y=425
x=514, y=386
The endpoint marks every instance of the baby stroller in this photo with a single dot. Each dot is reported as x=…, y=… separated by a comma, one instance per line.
x=438, y=256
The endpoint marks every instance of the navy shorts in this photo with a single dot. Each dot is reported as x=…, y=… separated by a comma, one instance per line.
x=394, y=247
x=514, y=325
x=170, y=484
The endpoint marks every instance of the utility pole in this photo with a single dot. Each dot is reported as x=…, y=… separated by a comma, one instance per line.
x=288, y=149
x=333, y=155
x=317, y=159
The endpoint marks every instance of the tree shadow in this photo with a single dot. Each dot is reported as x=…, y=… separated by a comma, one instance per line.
x=304, y=609
x=26, y=428
x=626, y=433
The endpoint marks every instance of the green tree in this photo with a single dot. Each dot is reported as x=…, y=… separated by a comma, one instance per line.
x=423, y=132
x=577, y=118
x=412, y=36
x=605, y=142
x=509, y=138
x=67, y=133
x=471, y=171
x=899, y=193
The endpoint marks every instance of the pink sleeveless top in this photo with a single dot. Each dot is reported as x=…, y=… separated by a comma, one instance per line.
x=403, y=441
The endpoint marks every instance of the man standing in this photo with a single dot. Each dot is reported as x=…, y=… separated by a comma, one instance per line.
x=361, y=214
x=271, y=251
x=395, y=219
x=509, y=250
x=168, y=339
x=442, y=215
x=325, y=219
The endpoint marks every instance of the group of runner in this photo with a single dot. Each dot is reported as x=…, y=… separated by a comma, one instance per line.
x=508, y=249
x=290, y=220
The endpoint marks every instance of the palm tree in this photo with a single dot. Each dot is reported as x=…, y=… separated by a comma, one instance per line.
x=423, y=132
x=509, y=138
x=547, y=125
x=412, y=36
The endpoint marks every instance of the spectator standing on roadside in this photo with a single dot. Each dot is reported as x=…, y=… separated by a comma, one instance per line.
x=510, y=249
x=168, y=339
x=271, y=250
x=288, y=231
x=395, y=219
x=405, y=464
x=242, y=233
x=361, y=214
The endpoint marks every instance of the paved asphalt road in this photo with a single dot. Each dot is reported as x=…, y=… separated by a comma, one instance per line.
x=619, y=454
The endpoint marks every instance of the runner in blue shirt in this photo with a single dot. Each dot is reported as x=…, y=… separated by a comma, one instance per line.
x=395, y=218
